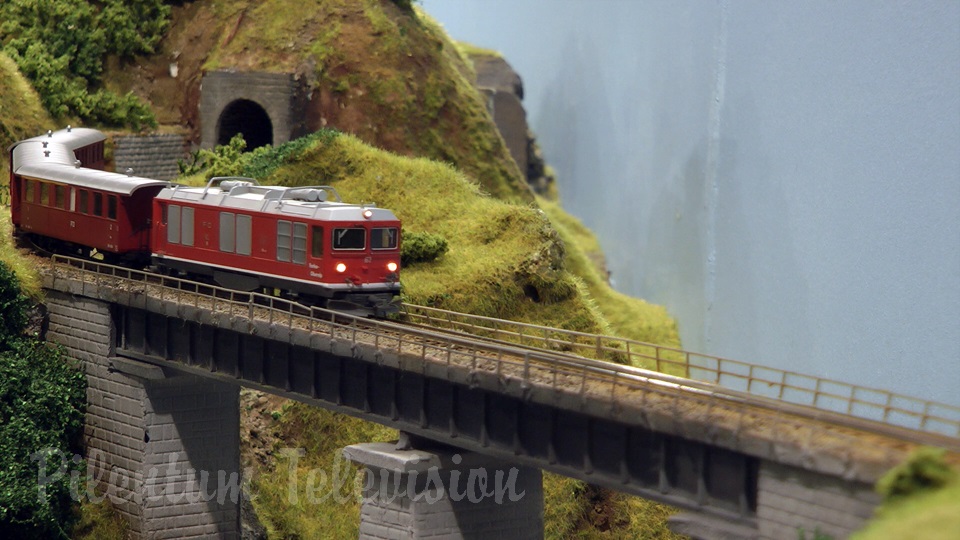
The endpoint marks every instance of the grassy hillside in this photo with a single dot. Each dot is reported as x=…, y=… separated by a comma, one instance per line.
x=21, y=116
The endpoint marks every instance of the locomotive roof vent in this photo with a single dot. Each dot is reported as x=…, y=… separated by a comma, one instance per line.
x=230, y=184
x=309, y=195
x=312, y=194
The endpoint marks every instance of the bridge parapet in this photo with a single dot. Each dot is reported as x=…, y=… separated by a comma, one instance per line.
x=784, y=386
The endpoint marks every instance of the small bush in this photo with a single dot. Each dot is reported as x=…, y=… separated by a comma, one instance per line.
x=925, y=470
x=422, y=247
x=14, y=306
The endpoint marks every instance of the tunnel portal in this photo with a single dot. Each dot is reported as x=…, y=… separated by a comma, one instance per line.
x=246, y=117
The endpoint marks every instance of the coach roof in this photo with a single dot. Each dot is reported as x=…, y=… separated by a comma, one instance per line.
x=51, y=157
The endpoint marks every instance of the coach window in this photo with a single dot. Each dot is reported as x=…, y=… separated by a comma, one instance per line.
x=44, y=193
x=316, y=243
x=112, y=206
x=60, y=195
x=98, y=204
x=84, y=201
x=28, y=191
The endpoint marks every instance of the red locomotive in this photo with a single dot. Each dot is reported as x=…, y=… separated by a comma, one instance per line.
x=304, y=241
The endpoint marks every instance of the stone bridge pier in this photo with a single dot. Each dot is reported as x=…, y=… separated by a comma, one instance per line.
x=164, y=448
x=443, y=492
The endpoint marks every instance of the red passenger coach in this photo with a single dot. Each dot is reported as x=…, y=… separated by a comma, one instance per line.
x=61, y=198
x=247, y=236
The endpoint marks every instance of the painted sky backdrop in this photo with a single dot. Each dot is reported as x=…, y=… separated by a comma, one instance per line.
x=783, y=176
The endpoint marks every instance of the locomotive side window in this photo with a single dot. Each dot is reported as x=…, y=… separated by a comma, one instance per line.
x=84, y=201
x=60, y=196
x=316, y=246
x=112, y=206
x=173, y=228
x=28, y=191
x=383, y=238
x=283, y=240
x=349, y=238
x=98, y=204
x=227, y=233
x=244, y=229
x=44, y=193
x=300, y=243
x=186, y=226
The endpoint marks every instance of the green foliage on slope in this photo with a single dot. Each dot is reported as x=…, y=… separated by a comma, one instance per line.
x=42, y=401
x=60, y=46
x=921, y=500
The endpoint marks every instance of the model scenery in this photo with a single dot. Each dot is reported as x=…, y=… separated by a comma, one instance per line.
x=305, y=241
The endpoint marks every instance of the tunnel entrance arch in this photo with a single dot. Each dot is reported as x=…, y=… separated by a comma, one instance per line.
x=268, y=108
x=246, y=117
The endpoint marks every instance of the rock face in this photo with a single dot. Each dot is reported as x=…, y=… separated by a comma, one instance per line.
x=504, y=90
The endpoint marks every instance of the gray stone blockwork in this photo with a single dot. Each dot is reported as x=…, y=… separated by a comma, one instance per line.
x=164, y=451
x=150, y=156
x=278, y=94
x=416, y=494
x=790, y=499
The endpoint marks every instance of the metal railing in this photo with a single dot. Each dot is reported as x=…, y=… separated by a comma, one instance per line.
x=781, y=385
x=559, y=360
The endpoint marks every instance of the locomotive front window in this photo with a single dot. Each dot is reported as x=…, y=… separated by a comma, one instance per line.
x=349, y=238
x=383, y=238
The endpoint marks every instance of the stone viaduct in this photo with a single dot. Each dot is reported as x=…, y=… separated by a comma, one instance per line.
x=164, y=372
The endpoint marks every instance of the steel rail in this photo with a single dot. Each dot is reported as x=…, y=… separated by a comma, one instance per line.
x=479, y=350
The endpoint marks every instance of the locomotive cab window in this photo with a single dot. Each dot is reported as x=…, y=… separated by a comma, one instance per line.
x=316, y=242
x=383, y=238
x=355, y=238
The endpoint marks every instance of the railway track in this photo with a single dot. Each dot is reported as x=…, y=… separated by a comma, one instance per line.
x=622, y=385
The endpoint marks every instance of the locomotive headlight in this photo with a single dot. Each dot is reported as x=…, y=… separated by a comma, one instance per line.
x=392, y=266
x=368, y=213
x=341, y=267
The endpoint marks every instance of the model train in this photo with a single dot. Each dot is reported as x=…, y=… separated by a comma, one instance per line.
x=304, y=241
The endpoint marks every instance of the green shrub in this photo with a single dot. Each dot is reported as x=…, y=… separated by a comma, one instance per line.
x=14, y=306
x=222, y=160
x=925, y=470
x=264, y=160
x=421, y=247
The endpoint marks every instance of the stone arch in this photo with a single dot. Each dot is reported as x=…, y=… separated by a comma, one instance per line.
x=268, y=108
x=246, y=117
